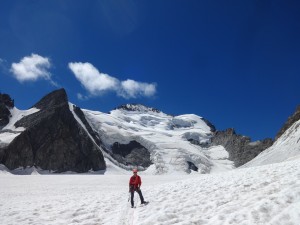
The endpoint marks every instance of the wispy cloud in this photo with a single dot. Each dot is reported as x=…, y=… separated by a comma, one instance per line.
x=97, y=83
x=134, y=89
x=32, y=68
x=82, y=97
x=2, y=64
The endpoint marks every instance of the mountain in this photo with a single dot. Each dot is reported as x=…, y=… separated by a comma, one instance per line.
x=131, y=131
x=285, y=148
x=57, y=136
x=47, y=136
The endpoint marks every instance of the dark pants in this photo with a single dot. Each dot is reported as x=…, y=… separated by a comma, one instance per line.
x=132, y=190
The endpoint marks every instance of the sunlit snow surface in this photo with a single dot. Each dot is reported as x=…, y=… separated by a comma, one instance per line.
x=16, y=115
x=267, y=194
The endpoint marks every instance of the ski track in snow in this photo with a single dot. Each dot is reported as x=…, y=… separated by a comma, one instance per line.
x=267, y=194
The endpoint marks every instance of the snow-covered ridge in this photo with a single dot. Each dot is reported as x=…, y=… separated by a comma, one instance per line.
x=112, y=165
x=10, y=132
x=286, y=148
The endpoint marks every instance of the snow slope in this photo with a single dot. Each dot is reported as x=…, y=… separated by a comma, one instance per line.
x=10, y=132
x=165, y=136
x=268, y=195
x=287, y=147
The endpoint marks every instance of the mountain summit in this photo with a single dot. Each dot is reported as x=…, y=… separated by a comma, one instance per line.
x=137, y=107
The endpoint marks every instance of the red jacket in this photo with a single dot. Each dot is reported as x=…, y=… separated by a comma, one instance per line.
x=135, y=181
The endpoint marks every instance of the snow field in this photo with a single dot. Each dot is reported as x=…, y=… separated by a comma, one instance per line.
x=267, y=194
x=263, y=195
x=60, y=199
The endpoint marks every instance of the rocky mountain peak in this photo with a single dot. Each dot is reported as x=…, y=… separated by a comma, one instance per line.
x=6, y=100
x=53, y=99
x=290, y=121
x=137, y=107
x=240, y=148
x=5, y=104
x=52, y=140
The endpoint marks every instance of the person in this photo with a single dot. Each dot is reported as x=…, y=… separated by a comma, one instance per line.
x=135, y=183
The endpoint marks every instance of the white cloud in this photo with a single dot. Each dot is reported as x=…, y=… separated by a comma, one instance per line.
x=32, y=68
x=97, y=83
x=134, y=89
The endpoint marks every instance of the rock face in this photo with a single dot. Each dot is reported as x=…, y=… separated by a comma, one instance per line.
x=192, y=166
x=137, y=107
x=5, y=104
x=53, y=140
x=240, y=148
x=291, y=120
x=133, y=154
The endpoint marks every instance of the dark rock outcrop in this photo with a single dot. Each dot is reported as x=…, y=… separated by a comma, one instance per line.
x=290, y=121
x=240, y=148
x=192, y=166
x=133, y=154
x=137, y=107
x=208, y=123
x=6, y=103
x=6, y=100
x=4, y=115
x=53, y=140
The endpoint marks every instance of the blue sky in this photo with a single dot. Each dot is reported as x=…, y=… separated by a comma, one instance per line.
x=236, y=63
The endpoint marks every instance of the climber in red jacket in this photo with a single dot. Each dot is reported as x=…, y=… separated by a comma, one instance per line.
x=135, y=183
